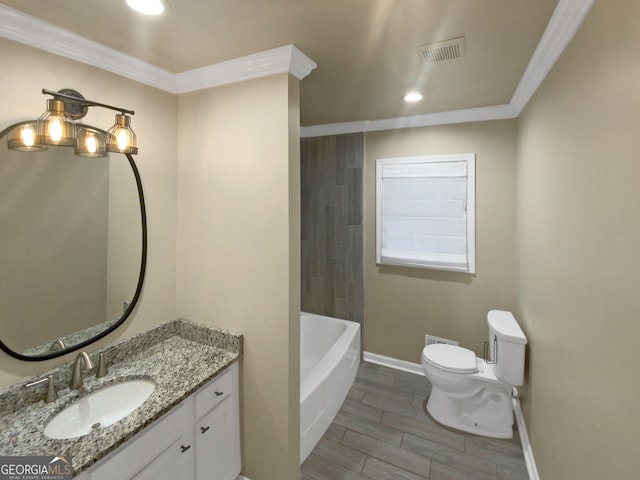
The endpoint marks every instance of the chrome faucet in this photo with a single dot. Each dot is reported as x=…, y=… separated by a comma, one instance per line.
x=76, y=377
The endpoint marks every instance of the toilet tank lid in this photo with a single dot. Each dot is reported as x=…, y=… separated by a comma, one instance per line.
x=505, y=325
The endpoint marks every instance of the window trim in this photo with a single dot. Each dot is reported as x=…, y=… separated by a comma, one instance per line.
x=434, y=263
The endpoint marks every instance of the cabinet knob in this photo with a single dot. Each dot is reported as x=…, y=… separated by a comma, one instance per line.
x=204, y=429
x=219, y=393
x=184, y=449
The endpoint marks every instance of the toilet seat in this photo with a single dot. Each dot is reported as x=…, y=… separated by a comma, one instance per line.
x=450, y=358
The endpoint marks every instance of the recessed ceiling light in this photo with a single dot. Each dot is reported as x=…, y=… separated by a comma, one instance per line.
x=412, y=97
x=147, y=7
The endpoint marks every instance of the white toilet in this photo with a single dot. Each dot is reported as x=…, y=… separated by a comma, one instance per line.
x=472, y=394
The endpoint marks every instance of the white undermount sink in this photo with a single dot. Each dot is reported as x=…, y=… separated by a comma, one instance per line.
x=99, y=409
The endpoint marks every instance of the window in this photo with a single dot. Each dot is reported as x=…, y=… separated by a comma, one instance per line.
x=425, y=212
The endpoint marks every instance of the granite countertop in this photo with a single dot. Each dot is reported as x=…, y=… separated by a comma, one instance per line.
x=178, y=356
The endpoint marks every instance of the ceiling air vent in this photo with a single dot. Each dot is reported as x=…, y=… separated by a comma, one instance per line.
x=442, y=51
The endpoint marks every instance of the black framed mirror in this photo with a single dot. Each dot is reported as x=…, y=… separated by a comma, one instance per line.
x=73, y=247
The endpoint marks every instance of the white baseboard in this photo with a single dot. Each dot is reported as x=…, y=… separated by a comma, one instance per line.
x=394, y=363
x=240, y=477
x=524, y=437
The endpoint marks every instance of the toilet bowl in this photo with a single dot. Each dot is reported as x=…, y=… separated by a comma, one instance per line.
x=472, y=394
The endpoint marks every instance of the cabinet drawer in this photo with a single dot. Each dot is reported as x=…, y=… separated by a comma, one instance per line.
x=211, y=395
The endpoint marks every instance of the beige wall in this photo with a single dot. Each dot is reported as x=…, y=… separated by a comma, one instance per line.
x=25, y=72
x=402, y=304
x=579, y=251
x=239, y=250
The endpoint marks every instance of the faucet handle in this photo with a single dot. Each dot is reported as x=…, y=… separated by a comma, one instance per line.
x=102, y=366
x=51, y=395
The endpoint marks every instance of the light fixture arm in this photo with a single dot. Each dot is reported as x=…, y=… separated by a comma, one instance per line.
x=85, y=102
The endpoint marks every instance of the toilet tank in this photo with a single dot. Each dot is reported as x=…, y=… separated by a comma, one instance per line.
x=506, y=346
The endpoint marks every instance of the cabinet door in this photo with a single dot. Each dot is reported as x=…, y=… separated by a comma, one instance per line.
x=217, y=443
x=174, y=463
x=142, y=450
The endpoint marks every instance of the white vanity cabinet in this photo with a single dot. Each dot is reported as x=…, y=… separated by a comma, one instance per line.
x=199, y=439
x=216, y=430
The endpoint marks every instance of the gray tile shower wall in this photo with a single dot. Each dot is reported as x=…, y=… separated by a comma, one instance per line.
x=332, y=242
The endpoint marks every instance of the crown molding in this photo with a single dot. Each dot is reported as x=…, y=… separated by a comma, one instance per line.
x=23, y=28
x=564, y=23
x=497, y=112
x=334, y=129
x=566, y=19
x=278, y=60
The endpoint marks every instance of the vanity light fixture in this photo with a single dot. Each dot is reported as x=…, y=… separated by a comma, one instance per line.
x=57, y=127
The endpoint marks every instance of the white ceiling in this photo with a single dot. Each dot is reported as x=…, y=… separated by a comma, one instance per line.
x=366, y=50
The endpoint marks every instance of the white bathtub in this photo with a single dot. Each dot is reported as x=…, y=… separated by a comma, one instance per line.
x=329, y=360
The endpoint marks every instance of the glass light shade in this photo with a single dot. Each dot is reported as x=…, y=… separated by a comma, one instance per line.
x=90, y=143
x=54, y=127
x=121, y=136
x=25, y=139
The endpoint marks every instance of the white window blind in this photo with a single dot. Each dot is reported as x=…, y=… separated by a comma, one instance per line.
x=425, y=212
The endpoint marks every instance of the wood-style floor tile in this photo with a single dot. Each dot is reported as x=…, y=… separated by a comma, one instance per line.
x=387, y=453
x=447, y=472
x=342, y=455
x=361, y=410
x=320, y=468
x=427, y=430
x=378, y=470
x=374, y=376
x=421, y=389
x=449, y=456
x=356, y=394
x=383, y=433
x=385, y=391
x=376, y=430
x=335, y=432
x=512, y=473
x=385, y=404
x=499, y=451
